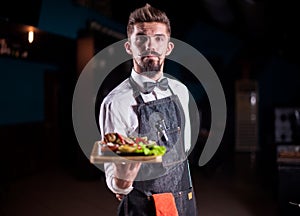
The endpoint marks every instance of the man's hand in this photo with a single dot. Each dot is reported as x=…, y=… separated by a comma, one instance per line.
x=125, y=173
x=119, y=196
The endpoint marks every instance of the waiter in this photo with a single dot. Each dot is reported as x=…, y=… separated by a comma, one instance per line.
x=150, y=104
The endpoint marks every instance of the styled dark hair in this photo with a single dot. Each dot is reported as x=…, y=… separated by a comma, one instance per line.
x=147, y=14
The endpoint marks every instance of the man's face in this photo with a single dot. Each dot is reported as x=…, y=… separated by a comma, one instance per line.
x=149, y=44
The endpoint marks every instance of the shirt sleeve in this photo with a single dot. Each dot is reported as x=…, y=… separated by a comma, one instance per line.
x=109, y=175
x=111, y=119
x=187, y=128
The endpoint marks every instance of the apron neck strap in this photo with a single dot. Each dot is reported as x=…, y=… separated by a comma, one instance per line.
x=136, y=91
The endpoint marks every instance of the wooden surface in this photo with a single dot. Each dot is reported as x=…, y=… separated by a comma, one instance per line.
x=98, y=158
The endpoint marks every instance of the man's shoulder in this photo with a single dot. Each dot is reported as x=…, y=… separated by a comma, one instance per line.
x=174, y=83
x=120, y=93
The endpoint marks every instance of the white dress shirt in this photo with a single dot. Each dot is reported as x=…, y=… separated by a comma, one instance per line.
x=118, y=116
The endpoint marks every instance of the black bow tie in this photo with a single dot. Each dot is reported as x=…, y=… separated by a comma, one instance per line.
x=163, y=85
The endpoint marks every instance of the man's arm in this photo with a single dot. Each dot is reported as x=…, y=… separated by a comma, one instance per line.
x=119, y=177
x=187, y=129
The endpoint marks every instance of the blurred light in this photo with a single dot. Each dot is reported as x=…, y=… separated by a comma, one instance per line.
x=253, y=98
x=30, y=36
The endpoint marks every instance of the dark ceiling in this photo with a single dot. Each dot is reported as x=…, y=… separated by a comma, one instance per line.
x=22, y=12
x=248, y=18
x=254, y=17
x=258, y=22
x=267, y=23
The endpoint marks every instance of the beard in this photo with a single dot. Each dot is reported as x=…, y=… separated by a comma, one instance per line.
x=150, y=68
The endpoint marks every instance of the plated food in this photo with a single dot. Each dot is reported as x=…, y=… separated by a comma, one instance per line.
x=115, y=143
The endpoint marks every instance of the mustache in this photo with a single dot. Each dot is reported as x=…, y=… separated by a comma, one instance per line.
x=147, y=53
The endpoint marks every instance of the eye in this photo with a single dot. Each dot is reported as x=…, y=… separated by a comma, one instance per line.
x=141, y=39
x=159, y=39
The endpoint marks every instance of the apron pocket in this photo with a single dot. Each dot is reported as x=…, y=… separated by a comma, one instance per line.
x=185, y=202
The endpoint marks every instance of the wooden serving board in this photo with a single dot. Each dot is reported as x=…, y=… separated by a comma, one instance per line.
x=97, y=157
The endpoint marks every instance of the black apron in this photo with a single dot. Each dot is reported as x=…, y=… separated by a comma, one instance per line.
x=161, y=120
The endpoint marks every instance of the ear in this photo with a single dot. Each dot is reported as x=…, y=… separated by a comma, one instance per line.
x=127, y=47
x=169, y=48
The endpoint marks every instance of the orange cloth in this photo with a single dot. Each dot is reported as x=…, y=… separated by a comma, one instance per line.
x=165, y=204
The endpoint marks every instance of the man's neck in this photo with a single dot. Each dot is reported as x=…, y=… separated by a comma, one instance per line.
x=156, y=76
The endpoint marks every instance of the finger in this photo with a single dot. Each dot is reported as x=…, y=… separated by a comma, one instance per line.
x=119, y=196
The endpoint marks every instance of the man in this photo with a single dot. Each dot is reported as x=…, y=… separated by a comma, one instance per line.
x=139, y=106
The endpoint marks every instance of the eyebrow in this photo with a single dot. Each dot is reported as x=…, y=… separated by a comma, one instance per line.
x=142, y=33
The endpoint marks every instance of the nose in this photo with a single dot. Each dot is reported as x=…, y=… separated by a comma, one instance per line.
x=150, y=44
